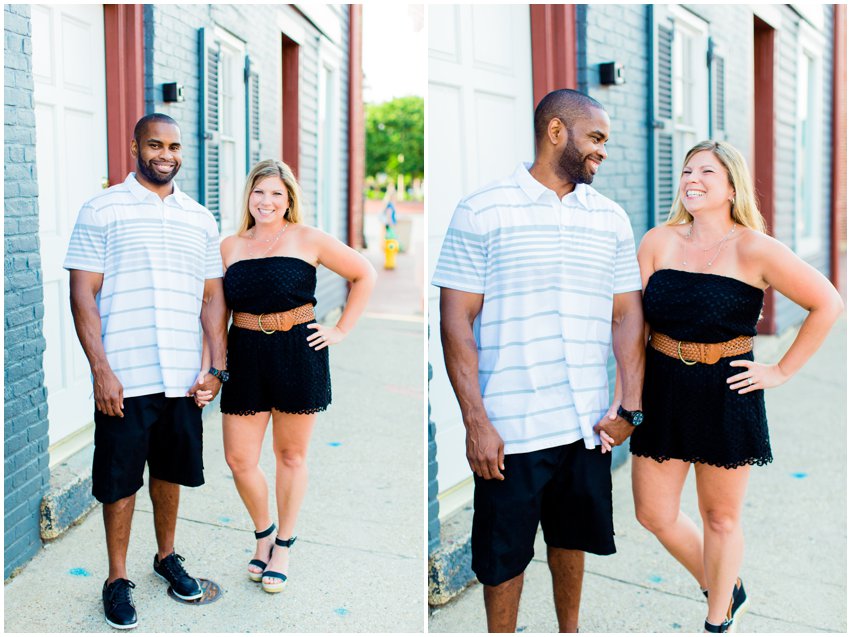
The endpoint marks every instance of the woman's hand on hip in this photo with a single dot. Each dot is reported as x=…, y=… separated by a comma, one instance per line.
x=755, y=376
x=324, y=336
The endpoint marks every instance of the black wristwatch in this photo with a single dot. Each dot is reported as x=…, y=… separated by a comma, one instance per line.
x=221, y=374
x=634, y=418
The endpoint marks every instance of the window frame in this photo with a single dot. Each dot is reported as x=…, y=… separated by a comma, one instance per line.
x=809, y=161
x=329, y=199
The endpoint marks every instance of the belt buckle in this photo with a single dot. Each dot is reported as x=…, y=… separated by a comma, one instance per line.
x=260, y=325
x=680, y=354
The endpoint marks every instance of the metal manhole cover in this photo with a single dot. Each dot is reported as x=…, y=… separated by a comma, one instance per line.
x=212, y=592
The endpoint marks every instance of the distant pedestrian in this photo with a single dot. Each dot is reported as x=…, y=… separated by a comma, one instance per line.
x=538, y=279
x=144, y=266
x=704, y=274
x=277, y=354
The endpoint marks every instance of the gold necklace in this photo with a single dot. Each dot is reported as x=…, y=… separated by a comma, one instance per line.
x=719, y=244
x=271, y=241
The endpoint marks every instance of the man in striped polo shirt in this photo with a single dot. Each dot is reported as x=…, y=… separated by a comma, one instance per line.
x=145, y=266
x=538, y=280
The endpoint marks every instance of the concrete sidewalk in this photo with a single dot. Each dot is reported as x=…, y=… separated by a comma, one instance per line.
x=359, y=562
x=794, y=521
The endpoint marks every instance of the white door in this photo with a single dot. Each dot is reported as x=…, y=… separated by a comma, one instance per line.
x=70, y=116
x=480, y=123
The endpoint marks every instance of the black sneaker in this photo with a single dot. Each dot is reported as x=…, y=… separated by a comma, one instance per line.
x=172, y=571
x=118, y=608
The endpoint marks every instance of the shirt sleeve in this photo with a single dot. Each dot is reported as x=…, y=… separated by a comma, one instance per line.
x=87, y=247
x=463, y=256
x=213, y=257
x=627, y=275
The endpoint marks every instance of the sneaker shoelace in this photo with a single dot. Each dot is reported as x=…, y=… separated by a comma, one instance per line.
x=174, y=567
x=121, y=593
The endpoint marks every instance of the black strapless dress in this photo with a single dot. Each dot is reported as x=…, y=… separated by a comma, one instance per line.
x=280, y=370
x=690, y=412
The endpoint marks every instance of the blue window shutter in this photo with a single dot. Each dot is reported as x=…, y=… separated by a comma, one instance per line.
x=208, y=50
x=663, y=125
x=252, y=111
x=717, y=112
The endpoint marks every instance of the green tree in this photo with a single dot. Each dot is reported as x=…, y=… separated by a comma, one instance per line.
x=395, y=138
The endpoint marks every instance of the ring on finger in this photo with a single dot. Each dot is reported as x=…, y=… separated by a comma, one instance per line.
x=750, y=381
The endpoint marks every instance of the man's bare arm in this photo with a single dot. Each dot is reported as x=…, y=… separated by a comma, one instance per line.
x=628, y=343
x=214, y=319
x=108, y=391
x=485, y=447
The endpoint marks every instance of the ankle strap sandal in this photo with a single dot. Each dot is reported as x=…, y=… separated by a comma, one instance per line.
x=712, y=628
x=259, y=535
x=277, y=587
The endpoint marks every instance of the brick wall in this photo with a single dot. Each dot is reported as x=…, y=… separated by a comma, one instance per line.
x=25, y=431
x=618, y=33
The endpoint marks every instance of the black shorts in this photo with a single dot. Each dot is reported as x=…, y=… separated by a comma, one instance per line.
x=568, y=489
x=164, y=432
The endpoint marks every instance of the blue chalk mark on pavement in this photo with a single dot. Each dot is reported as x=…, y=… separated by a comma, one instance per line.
x=80, y=572
x=334, y=444
x=799, y=475
x=342, y=612
x=655, y=579
x=224, y=519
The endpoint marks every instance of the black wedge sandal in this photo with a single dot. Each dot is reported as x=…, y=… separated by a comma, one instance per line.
x=259, y=535
x=277, y=587
x=712, y=628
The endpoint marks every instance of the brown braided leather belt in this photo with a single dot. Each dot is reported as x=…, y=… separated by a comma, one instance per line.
x=276, y=321
x=706, y=353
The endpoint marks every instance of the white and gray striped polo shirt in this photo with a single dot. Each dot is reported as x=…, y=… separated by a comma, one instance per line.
x=548, y=270
x=155, y=255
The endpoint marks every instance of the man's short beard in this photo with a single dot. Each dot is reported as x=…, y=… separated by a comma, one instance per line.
x=153, y=176
x=571, y=164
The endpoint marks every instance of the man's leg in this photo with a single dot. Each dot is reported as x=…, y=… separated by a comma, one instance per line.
x=502, y=603
x=567, y=568
x=165, y=497
x=117, y=520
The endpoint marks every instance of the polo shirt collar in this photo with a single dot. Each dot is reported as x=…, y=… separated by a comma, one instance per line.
x=141, y=193
x=534, y=188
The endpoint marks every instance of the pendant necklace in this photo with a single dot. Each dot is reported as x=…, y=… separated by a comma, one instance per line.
x=271, y=241
x=719, y=245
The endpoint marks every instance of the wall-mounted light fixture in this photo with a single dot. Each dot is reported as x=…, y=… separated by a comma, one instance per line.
x=173, y=92
x=612, y=73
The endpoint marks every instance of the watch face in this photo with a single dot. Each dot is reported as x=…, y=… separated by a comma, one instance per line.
x=637, y=418
x=224, y=376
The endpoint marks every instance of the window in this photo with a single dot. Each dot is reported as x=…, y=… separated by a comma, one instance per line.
x=230, y=107
x=680, y=99
x=232, y=118
x=690, y=82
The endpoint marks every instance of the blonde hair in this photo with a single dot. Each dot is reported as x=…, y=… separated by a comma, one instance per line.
x=262, y=170
x=745, y=210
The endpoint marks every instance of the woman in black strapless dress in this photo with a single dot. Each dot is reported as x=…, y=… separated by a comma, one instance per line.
x=703, y=275
x=277, y=353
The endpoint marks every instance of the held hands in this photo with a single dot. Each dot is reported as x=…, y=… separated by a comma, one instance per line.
x=324, y=336
x=109, y=394
x=755, y=376
x=205, y=389
x=613, y=429
x=485, y=451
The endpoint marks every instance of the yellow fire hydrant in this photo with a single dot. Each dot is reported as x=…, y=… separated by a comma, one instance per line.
x=391, y=247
